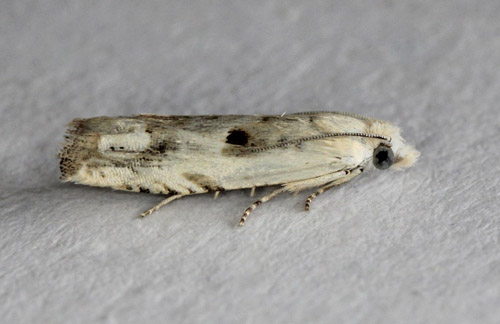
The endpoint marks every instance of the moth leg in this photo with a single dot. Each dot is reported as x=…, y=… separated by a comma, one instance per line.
x=319, y=192
x=252, y=193
x=258, y=202
x=349, y=175
x=161, y=204
x=216, y=195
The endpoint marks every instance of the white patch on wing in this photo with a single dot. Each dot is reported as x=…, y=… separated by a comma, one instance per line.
x=128, y=142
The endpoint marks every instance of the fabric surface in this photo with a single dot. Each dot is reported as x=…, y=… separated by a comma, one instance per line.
x=419, y=246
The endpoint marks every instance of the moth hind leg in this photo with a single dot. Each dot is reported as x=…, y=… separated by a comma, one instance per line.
x=260, y=201
x=162, y=203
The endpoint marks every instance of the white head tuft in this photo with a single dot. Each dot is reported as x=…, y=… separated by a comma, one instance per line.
x=405, y=155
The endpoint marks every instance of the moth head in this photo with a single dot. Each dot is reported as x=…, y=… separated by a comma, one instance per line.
x=383, y=157
x=396, y=153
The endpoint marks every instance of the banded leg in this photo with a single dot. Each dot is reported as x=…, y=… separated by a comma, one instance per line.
x=161, y=204
x=319, y=192
x=349, y=174
x=258, y=202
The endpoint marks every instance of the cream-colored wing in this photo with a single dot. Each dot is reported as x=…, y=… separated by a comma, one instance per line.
x=193, y=154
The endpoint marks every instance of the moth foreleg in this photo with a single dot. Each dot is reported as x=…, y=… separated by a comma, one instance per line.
x=319, y=192
x=349, y=175
x=258, y=202
x=161, y=204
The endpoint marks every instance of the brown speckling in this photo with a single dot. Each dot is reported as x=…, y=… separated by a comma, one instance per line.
x=203, y=181
x=118, y=163
x=162, y=146
x=283, y=139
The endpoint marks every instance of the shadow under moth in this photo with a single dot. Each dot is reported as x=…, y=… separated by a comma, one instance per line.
x=184, y=155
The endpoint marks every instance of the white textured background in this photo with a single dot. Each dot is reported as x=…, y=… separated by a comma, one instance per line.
x=421, y=246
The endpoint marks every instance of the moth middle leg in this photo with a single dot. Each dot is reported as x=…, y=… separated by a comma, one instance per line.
x=162, y=203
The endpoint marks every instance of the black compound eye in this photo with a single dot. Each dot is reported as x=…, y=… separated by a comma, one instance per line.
x=383, y=157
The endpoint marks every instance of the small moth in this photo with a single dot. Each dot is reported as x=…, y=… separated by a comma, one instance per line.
x=184, y=155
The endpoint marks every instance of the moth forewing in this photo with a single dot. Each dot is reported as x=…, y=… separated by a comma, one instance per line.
x=184, y=155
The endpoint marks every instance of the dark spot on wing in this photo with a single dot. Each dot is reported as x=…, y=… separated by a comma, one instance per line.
x=162, y=147
x=141, y=189
x=237, y=137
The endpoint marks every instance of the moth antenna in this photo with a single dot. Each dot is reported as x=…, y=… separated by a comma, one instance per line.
x=318, y=137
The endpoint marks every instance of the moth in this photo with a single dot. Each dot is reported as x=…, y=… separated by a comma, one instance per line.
x=184, y=155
